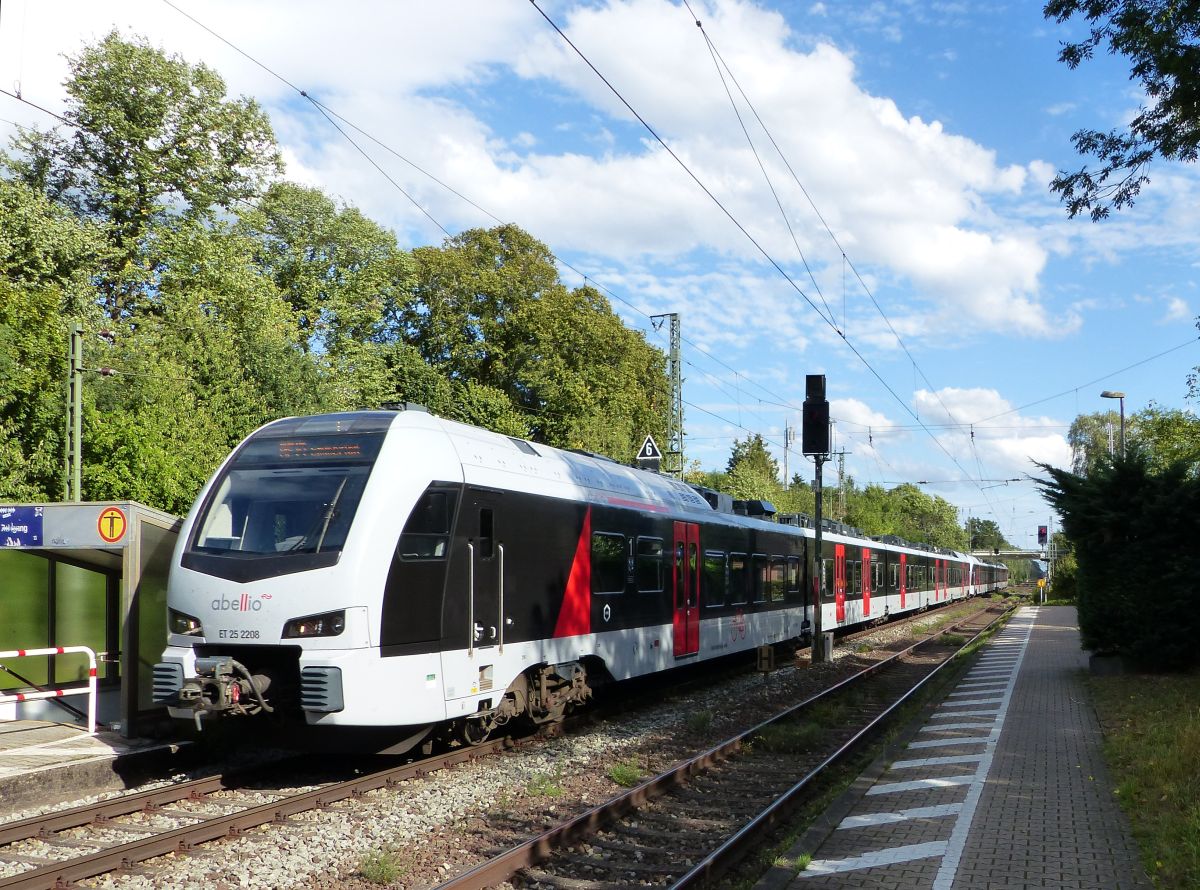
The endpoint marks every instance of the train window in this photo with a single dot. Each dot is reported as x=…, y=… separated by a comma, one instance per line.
x=426, y=534
x=608, y=563
x=486, y=524
x=713, y=578
x=826, y=578
x=853, y=576
x=778, y=573
x=739, y=568
x=793, y=574
x=893, y=576
x=876, y=574
x=650, y=565
x=760, y=577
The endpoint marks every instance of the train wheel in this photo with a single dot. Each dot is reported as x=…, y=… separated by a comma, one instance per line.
x=474, y=732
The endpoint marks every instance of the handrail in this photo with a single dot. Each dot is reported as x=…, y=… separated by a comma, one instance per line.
x=90, y=691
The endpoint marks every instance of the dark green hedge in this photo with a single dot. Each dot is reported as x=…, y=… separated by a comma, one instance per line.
x=1136, y=533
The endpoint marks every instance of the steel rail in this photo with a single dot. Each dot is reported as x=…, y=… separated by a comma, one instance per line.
x=735, y=847
x=502, y=867
x=183, y=839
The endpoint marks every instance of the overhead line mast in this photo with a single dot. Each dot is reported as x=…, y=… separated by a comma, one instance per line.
x=675, y=414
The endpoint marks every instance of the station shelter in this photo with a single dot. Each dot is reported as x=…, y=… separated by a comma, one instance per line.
x=84, y=574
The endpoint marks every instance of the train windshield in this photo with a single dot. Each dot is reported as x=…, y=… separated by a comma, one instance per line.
x=284, y=495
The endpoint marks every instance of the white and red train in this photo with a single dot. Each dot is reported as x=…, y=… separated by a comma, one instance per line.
x=399, y=571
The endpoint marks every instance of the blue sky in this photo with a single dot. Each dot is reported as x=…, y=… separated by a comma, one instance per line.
x=925, y=134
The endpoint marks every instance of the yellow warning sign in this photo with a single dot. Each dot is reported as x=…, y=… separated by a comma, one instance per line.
x=1041, y=582
x=111, y=524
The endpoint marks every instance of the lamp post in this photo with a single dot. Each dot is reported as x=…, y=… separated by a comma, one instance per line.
x=1112, y=394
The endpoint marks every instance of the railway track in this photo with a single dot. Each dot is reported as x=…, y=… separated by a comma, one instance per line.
x=690, y=823
x=125, y=831
x=56, y=849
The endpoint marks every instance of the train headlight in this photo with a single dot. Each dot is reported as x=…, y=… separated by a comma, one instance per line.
x=329, y=624
x=179, y=623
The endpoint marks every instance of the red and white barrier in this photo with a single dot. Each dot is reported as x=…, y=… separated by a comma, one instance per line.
x=90, y=690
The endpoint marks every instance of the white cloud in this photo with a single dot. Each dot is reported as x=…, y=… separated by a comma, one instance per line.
x=1177, y=310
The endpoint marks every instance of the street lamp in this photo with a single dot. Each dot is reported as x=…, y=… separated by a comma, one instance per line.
x=1111, y=394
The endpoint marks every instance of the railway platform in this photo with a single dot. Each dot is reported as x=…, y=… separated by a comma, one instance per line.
x=42, y=762
x=1003, y=786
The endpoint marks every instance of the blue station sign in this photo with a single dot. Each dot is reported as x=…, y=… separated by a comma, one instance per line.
x=20, y=526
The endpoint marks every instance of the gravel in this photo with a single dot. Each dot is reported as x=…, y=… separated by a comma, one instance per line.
x=430, y=828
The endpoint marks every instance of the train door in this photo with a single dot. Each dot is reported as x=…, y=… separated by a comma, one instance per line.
x=485, y=582
x=685, y=586
x=866, y=581
x=903, y=579
x=839, y=582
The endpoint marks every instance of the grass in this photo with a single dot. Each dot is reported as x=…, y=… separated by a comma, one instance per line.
x=953, y=640
x=1152, y=745
x=797, y=865
x=382, y=867
x=545, y=785
x=793, y=737
x=699, y=722
x=627, y=773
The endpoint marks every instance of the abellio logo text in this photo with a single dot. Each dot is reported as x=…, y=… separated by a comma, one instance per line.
x=241, y=604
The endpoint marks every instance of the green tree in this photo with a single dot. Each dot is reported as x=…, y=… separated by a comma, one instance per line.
x=1159, y=37
x=1169, y=435
x=985, y=534
x=32, y=349
x=215, y=359
x=488, y=307
x=1094, y=437
x=343, y=276
x=45, y=255
x=754, y=455
x=150, y=136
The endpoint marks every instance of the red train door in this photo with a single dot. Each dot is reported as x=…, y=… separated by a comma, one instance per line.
x=685, y=586
x=839, y=582
x=903, y=578
x=866, y=581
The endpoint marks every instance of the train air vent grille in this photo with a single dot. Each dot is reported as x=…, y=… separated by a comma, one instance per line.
x=321, y=689
x=167, y=681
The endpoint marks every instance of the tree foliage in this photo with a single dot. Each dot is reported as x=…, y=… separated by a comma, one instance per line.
x=150, y=136
x=985, y=534
x=1133, y=527
x=236, y=298
x=905, y=510
x=1160, y=39
x=1095, y=437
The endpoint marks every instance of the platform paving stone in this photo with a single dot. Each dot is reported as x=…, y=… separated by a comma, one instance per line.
x=1011, y=792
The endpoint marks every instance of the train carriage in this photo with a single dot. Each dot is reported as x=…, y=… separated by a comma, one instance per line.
x=397, y=570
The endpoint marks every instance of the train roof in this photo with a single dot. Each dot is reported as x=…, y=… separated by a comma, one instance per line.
x=503, y=461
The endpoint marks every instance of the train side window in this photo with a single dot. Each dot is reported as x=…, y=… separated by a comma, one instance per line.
x=713, y=578
x=876, y=574
x=608, y=563
x=426, y=533
x=826, y=578
x=739, y=568
x=760, y=577
x=893, y=577
x=650, y=576
x=486, y=526
x=854, y=582
x=793, y=574
x=778, y=574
